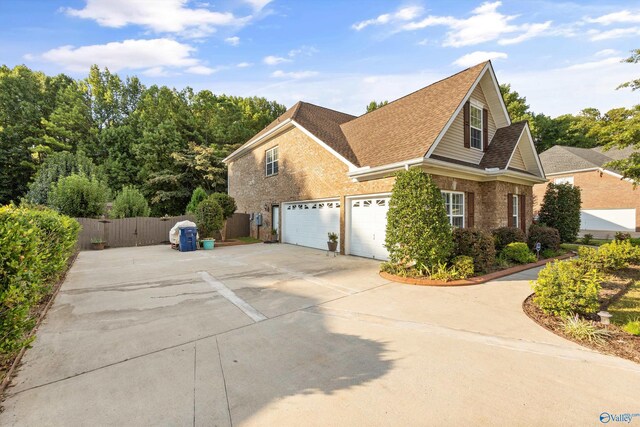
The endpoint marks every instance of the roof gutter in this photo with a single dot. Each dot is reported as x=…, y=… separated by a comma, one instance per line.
x=369, y=172
x=247, y=147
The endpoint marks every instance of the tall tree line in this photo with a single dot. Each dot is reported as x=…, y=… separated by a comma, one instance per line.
x=164, y=141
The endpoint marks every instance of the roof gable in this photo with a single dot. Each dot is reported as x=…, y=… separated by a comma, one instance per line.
x=559, y=159
x=406, y=128
x=502, y=146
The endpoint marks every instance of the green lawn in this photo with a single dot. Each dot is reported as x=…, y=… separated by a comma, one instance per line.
x=627, y=308
x=248, y=239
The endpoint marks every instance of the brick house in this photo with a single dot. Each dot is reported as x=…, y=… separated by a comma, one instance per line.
x=316, y=170
x=609, y=202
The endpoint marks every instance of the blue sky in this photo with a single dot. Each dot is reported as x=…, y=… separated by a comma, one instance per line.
x=562, y=56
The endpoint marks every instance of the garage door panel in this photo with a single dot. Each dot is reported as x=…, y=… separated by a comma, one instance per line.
x=608, y=219
x=368, y=227
x=307, y=224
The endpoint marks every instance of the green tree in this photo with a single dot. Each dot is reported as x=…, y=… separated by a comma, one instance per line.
x=373, y=105
x=633, y=59
x=79, y=196
x=418, y=229
x=129, y=203
x=560, y=209
x=198, y=195
x=56, y=166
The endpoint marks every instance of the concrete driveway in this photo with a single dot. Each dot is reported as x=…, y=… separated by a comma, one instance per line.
x=282, y=335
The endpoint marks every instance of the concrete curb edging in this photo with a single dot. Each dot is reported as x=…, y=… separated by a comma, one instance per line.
x=421, y=281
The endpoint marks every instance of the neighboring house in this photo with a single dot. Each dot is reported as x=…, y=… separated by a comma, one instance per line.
x=609, y=202
x=316, y=170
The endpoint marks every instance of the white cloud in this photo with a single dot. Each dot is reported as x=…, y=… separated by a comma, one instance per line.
x=258, y=4
x=596, y=35
x=233, y=41
x=244, y=64
x=485, y=24
x=607, y=52
x=302, y=50
x=477, y=57
x=153, y=55
x=162, y=16
x=595, y=64
x=274, y=60
x=294, y=74
x=621, y=17
x=403, y=14
x=155, y=72
x=202, y=70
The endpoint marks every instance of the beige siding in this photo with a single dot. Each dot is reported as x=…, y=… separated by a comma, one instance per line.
x=452, y=143
x=528, y=154
x=517, y=161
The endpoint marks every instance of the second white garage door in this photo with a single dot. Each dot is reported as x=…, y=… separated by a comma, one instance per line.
x=608, y=219
x=367, y=227
x=308, y=223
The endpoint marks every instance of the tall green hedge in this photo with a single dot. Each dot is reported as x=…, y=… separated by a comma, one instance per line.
x=129, y=203
x=418, y=229
x=35, y=244
x=561, y=210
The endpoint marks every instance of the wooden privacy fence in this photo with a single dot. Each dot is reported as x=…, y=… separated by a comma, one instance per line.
x=143, y=231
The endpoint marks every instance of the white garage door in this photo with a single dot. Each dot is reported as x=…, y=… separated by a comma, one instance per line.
x=608, y=219
x=368, y=223
x=308, y=223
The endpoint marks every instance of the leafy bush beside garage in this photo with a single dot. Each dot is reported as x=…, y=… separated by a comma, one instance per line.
x=418, y=231
x=35, y=245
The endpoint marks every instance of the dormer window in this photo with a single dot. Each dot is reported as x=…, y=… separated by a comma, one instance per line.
x=476, y=127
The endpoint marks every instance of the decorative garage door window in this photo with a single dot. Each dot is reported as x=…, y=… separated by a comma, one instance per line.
x=454, y=205
x=369, y=203
x=329, y=205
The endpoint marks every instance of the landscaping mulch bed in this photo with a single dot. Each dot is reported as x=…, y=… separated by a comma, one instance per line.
x=620, y=343
x=8, y=367
x=477, y=280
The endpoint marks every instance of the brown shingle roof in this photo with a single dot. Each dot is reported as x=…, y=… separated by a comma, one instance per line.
x=406, y=128
x=502, y=145
x=323, y=123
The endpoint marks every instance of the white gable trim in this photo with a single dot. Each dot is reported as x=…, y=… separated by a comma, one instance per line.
x=288, y=122
x=325, y=146
x=535, y=152
x=248, y=147
x=486, y=68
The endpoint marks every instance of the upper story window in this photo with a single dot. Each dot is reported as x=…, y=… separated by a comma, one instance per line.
x=271, y=161
x=476, y=127
x=454, y=205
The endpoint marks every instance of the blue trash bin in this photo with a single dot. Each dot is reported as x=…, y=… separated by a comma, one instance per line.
x=188, y=239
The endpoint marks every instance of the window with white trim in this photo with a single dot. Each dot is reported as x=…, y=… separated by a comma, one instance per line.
x=476, y=127
x=565, y=180
x=454, y=205
x=271, y=161
x=515, y=210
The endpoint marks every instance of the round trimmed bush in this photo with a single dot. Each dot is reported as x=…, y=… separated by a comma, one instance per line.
x=548, y=237
x=198, y=195
x=209, y=218
x=518, y=252
x=226, y=202
x=129, y=203
x=504, y=235
x=477, y=244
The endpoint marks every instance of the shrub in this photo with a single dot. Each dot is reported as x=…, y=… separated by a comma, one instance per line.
x=477, y=244
x=518, y=252
x=635, y=241
x=548, y=237
x=198, y=195
x=621, y=235
x=611, y=256
x=226, y=202
x=460, y=268
x=504, y=235
x=549, y=253
x=129, y=203
x=418, y=229
x=632, y=327
x=463, y=265
x=584, y=330
x=566, y=287
x=587, y=239
x=35, y=245
x=79, y=196
x=209, y=218
x=560, y=209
